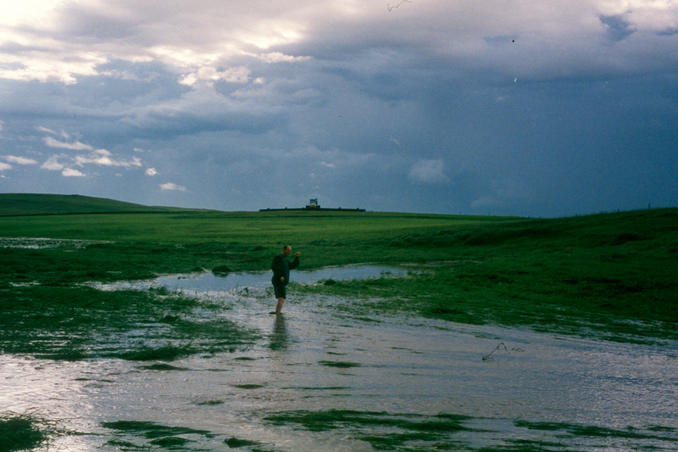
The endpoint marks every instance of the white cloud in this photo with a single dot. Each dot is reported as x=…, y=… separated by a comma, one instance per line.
x=189, y=80
x=428, y=172
x=2, y=125
x=52, y=164
x=102, y=157
x=150, y=172
x=46, y=67
x=4, y=166
x=20, y=160
x=238, y=74
x=76, y=145
x=170, y=186
x=70, y=172
x=279, y=57
x=46, y=130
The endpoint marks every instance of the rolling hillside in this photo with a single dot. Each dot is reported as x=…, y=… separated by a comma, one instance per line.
x=45, y=204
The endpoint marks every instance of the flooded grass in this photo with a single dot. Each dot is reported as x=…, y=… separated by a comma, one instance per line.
x=74, y=323
x=475, y=295
x=21, y=432
x=36, y=243
x=525, y=445
x=249, y=386
x=235, y=443
x=152, y=434
x=320, y=388
x=415, y=432
x=578, y=430
x=339, y=364
x=164, y=353
x=163, y=367
x=384, y=431
x=210, y=403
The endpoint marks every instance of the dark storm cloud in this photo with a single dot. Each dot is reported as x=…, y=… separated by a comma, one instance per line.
x=126, y=83
x=618, y=28
x=16, y=48
x=91, y=22
x=165, y=125
x=668, y=32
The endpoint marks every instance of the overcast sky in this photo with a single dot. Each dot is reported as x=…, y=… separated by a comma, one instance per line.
x=520, y=107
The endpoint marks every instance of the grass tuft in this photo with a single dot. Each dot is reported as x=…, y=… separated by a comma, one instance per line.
x=235, y=443
x=382, y=430
x=20, y=432
x=155, y=435
x=339, y=364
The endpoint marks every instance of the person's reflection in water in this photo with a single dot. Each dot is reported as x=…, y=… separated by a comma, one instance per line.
x=279, y=336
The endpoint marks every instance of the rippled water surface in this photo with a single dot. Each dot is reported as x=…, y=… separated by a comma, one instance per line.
x=201, y=283
x=331, y=374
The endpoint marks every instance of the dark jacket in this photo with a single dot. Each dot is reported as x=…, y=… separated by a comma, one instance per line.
x=281, y=267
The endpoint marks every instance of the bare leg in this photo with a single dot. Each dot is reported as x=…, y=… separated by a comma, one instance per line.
x=278, y=308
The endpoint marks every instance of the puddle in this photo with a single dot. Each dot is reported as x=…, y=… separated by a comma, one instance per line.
x=202, y=283
x=37, y=243
x=321, y=378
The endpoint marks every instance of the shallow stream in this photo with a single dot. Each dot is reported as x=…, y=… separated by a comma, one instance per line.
x=332, y=374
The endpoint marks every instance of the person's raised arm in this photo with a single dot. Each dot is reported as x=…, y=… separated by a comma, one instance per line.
x=295, y=262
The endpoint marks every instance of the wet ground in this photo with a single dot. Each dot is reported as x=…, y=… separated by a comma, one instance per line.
x=333, y=374
x=45, y=243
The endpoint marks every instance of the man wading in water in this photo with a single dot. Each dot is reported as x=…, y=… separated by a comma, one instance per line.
x=281, y=274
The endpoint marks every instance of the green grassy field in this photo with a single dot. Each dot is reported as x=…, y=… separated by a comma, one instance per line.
x=613, y=276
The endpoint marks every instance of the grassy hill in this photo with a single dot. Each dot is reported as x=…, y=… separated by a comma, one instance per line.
x=45, y=204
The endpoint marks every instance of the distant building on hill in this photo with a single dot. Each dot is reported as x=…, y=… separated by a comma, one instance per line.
x=313, y=204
